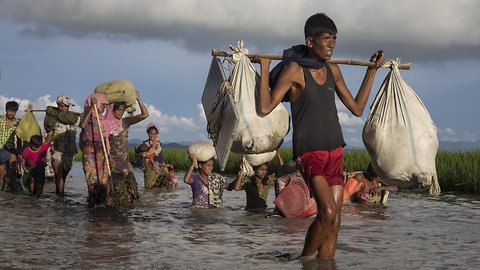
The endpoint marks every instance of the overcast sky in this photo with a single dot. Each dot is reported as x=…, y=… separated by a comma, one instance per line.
x=49, y=47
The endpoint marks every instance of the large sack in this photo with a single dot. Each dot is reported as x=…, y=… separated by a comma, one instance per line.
x=28, y=126
x=250, y=160
x=254, y=134
x=119, y=91
x=400, y=136
x=203, y=150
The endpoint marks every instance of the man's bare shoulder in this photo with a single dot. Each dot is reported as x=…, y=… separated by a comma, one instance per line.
x=292, y=72
x=292, y=67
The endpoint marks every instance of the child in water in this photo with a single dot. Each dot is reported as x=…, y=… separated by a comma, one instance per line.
x=256, y=187
x=33, y=163
x=207, y=186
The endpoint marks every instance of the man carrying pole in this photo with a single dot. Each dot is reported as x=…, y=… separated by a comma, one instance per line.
x=309, y=83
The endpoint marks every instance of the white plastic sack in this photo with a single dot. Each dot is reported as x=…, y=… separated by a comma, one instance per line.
x=203, y=150
x=400, y=136
x=255, y=160
x=254, y=134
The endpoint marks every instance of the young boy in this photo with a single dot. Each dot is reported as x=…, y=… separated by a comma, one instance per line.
x=309, y=83
x=8, y=145
x=33, y=163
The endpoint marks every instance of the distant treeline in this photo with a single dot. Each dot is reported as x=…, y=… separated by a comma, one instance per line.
x=457, y=171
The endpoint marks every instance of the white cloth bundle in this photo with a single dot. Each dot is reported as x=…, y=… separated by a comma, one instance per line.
x=401, y=137
x=203, y=150
x=254, y=134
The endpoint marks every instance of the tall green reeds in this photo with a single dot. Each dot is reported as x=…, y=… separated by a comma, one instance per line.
x=459, y=171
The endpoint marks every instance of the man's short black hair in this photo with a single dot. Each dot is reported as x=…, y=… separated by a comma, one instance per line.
x=318, y=24
x=11, y=105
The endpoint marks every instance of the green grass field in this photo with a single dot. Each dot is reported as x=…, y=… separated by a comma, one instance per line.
x=457, y=171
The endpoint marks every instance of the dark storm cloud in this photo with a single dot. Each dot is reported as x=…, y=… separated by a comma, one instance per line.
x=425, y=31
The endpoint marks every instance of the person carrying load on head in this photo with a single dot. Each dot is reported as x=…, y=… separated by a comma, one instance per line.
x=309, y=83
x=123, y=179
x=207, y=186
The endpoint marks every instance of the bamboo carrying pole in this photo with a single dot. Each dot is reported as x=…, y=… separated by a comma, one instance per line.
x=216, y=52
x=103, y=141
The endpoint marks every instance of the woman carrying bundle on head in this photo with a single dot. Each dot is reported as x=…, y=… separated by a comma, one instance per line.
x=123, y=179
x=93, y=138
x=207, y=186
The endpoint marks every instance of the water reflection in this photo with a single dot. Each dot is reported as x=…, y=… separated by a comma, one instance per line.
x=413, y=231
x=108, y=238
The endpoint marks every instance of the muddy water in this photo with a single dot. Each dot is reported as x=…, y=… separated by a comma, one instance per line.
x=162, y=232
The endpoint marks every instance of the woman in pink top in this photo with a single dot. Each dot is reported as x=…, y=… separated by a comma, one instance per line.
x=33, y=162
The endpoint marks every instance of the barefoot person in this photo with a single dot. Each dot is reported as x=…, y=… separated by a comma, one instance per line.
x=34, y=163
x=310, y=84
x=61, y=127
x=124, y=182
x=94, y=156
x=8, y=146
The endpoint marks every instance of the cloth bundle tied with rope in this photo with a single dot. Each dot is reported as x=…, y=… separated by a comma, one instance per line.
x=401, y=137
x=254, y=134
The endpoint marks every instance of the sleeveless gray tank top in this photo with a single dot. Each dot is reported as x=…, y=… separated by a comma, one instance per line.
x=314, y=116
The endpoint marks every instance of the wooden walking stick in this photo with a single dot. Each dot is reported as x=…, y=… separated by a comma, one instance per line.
x=216, y=52
x=103, y=142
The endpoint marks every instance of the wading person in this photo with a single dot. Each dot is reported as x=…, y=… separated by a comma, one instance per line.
x=61, y=127
x=365, y=187
x=34, y=161
x=8, y=146
x=156, y=173
x=207, y=186
x=124, y=182
x=256, y=187
x=93, y=138
x=309, y=83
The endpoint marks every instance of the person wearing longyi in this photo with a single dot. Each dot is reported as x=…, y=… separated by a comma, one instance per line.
x=125, y=183
x=309, y=83
x=94, y=158
x=9, y=144
x=61, y=128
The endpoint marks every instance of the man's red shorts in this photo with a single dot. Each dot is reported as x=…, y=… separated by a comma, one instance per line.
x=326, y=163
